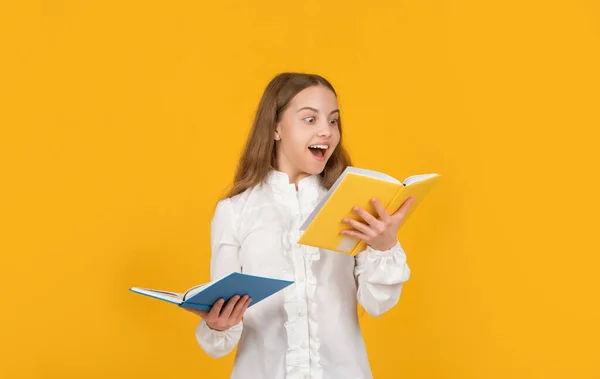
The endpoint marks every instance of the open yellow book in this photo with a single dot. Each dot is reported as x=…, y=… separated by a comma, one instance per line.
x=356, y=187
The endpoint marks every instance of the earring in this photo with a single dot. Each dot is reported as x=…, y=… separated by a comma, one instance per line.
x=277, y=137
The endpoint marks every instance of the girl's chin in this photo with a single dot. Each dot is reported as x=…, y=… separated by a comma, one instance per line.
x=315, y=167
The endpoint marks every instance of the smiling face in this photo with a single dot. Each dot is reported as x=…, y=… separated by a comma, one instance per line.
x=307, y=133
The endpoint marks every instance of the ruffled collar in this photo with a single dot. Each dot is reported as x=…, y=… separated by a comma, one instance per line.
x=281, y=180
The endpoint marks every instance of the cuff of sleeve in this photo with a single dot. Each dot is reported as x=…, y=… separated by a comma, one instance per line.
x=215, y=342
x=204, y=329
x=370, y=255
x=396, y=249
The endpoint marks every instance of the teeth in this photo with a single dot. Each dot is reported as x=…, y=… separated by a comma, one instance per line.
x=324, y=147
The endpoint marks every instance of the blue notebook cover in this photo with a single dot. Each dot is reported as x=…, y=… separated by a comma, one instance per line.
x=257, y=287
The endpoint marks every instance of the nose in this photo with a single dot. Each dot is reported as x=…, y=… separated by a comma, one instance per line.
x=324, y=130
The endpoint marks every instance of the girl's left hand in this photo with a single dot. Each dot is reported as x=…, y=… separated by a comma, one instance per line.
x=380, y=233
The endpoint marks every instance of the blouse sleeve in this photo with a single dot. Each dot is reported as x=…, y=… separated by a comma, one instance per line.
x=224, y=260
x=380, y=276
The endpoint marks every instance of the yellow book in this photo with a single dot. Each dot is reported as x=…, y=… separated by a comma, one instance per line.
x=356, y=187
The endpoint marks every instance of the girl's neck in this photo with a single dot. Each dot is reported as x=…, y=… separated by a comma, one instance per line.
x=295, y=176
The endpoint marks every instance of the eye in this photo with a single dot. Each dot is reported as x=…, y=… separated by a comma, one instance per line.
x=333, y=121
x=309, y=119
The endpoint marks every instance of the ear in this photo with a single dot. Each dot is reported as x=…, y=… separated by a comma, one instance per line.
x=277, y=134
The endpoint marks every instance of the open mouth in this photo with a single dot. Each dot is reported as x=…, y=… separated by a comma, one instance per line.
x=318, y=151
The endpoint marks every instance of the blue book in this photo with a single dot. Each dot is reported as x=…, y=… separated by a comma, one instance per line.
x=205, y=295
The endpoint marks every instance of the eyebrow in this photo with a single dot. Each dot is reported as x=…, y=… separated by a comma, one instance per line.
x=316, y=110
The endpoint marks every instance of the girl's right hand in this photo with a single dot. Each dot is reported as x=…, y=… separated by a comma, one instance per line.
x=222, y=318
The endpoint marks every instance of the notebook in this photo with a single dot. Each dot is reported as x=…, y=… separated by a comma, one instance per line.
x=203, y=296
x=356, y=187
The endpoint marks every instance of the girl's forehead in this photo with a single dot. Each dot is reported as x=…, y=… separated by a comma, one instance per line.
x=316, y=98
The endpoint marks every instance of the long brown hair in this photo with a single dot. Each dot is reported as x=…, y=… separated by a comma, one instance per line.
x=259, y=154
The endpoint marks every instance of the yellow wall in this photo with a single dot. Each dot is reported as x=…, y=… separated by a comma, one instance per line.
x=121, y=123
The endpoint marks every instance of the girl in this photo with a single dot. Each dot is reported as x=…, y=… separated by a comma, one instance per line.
x=310, y=329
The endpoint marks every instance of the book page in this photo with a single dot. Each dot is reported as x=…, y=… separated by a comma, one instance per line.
x=171, y=297
x=371, y=174
x=417, y=178
x=194, y=290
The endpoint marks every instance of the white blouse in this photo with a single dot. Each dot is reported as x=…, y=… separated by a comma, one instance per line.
x=310, y=329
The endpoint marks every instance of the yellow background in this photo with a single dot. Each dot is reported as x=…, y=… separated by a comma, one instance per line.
x=122, y=121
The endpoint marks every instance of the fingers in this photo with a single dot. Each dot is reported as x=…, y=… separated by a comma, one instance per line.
x=370, y=219
x=226, y=312
x=220, y=317
x=365, y=229
x=374, y=225
x=401, y=212
x=383, y=215
x=223, y=317
x=377, y=231
x=240, y=308
x=236, y=310
x=244, y=308
x=355, y=234
x=216, y=309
